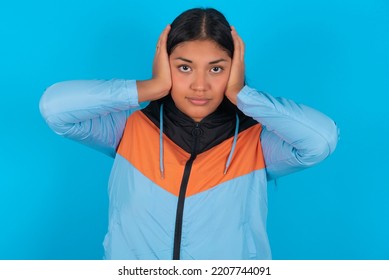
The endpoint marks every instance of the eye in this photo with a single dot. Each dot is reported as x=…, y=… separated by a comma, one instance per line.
x=184, y=68
x=216, y=69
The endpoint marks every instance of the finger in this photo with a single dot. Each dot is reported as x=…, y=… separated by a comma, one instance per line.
x=235, y=40
x=242, y=48
x=238, y=44
x=161, y=45
x=242, y=45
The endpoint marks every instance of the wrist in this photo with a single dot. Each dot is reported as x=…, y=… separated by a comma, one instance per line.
x=232, y=93
x=149, y=90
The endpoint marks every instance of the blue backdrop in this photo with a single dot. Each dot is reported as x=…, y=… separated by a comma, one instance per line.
x=332, y=55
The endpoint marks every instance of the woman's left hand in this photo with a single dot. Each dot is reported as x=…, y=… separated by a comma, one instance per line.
x=236, y=79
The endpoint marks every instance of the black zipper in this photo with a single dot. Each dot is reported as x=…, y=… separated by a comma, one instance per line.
x=196, y=132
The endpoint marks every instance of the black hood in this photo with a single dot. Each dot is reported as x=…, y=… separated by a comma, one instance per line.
x=214, y=128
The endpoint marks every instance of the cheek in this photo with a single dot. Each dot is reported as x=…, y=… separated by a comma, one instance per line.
x=178, y=81
x=220, y=83
x=179, y=88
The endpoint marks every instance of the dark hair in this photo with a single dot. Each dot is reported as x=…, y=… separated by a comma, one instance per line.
x=201, y=24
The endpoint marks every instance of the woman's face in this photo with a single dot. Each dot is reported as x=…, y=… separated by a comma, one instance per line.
x=200, y=70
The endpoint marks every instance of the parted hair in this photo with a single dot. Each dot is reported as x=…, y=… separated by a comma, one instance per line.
x=201, y=24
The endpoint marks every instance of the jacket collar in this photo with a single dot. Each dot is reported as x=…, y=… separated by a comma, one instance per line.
x=215, y=128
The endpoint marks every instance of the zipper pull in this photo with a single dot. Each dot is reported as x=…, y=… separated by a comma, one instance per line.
x=197, y=131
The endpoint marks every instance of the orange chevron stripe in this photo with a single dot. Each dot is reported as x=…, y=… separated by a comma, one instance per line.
x=140, y=146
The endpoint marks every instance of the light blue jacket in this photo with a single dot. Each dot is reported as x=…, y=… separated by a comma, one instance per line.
x=223, y=220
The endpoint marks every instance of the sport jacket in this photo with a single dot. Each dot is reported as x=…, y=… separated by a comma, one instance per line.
x=185, y=190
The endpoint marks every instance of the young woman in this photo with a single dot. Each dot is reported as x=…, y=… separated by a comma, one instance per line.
x=191, y=169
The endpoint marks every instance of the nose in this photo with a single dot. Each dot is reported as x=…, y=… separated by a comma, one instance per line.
x=199, y=82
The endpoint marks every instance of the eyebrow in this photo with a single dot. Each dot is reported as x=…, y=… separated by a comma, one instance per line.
x=212, y=62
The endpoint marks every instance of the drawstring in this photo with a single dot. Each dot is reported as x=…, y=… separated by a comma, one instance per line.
x=161, y=167
x=233, y=144
x=161, y=160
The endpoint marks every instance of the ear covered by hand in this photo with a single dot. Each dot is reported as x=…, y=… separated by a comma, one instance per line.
x=236, y=80
x=161, y=82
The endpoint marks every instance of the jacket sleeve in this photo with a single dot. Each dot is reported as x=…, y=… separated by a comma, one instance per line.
x=293, y=137
x=93, y=112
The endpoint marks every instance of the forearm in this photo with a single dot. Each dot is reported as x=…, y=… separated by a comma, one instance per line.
x=149, y=90
x=90, y=111
x=295, y=136
x=81, y=100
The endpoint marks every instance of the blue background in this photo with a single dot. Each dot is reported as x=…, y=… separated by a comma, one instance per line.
x=331, y=55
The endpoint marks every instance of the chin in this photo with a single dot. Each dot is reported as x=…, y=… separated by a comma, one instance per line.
x=199, y=116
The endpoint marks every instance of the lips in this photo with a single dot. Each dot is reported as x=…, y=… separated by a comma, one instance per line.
x=198, y=101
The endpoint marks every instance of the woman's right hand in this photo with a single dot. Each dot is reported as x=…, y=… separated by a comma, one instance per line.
x=161, y=82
